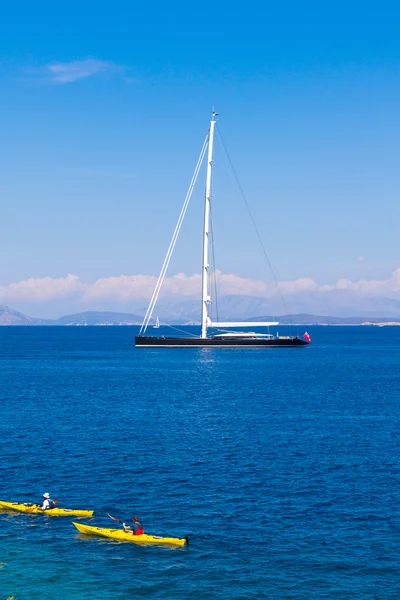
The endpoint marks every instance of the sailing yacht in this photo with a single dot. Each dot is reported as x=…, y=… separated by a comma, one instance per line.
x=223, y=338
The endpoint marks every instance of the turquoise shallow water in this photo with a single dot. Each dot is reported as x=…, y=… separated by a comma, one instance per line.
x=282, y=465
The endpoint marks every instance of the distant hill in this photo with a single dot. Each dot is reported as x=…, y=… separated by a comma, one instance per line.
x=9, y=316
x=99, y=318
x=305, y=319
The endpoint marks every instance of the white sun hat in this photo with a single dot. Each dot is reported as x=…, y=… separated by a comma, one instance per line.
x=46, y=495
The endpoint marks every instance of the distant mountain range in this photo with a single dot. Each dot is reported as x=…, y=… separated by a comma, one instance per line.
x=237, y=307
x=9, y=316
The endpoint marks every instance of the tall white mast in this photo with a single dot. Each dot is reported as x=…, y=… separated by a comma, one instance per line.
x=205, y=296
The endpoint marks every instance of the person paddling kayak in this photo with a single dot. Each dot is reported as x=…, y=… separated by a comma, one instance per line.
x=48, y=502
x=136, y=529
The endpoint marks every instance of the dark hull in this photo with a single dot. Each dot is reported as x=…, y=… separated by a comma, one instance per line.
x=170, y=342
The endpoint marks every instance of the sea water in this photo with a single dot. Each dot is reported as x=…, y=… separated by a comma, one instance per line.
x=281, y=465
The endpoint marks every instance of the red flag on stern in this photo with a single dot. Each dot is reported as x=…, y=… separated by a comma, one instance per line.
x=307, y=337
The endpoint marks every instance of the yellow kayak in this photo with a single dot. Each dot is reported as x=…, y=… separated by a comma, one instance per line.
x=52, y=512
x=124, y=536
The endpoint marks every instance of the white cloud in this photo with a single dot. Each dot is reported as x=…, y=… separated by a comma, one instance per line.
x=68, y=72
x=127, y=288
x=371, y=287
x=42, y=289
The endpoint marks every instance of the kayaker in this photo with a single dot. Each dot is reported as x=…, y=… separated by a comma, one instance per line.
x=48, y=502
x=136, y=529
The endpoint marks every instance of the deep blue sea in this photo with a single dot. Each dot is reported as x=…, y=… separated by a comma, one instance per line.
x=282, y=465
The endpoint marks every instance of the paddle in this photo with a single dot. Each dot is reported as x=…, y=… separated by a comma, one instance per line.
x=122, y=523
x=115, y=519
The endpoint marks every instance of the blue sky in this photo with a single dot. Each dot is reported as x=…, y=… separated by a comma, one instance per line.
x=103, y=110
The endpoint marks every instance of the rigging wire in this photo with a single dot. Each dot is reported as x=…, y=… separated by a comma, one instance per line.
x=253, y=222
x=171, y=247
x=214, y=275
x=214, y=267
x=181, y=330
x=164, y=324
